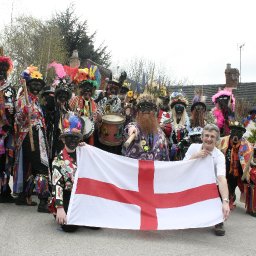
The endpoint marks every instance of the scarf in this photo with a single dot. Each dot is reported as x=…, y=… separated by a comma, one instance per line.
x=234, y=159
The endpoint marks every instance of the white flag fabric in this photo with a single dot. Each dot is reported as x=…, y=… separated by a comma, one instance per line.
x=118, y=192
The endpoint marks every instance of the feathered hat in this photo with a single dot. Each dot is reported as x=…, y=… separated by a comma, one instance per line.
x=198, y=100
x=62, y=80
x=224, y=92
x=72, y=125
x=32, y=74
x=6, y=64
x=178, y=98
x=146, y=102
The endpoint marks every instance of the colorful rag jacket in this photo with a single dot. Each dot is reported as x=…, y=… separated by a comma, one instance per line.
x=244, y=152
x=63, y=173
x=150, y=147
x=22, y=121
x=7, y=140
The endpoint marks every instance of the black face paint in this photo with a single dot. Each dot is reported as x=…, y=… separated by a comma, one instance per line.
x=112, y=89
x=223, y=100
x=35, y=87
x=71, y=141
x=49, y=99
x=86, y=94
x=86, y=89
x=236, y=135
x=62, y=96
x=179, y=108
x=146, y=106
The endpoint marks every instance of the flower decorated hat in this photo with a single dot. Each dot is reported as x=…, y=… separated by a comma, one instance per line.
x=236, y=125
x=178, y=98
x=195, y=131
x=31, y=74
x=88, y=78
x=72, y=125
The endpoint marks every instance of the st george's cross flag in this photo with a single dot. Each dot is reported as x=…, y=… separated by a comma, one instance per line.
x=118, y=192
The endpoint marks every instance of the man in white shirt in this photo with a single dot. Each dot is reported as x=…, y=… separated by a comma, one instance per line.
x=210, y=136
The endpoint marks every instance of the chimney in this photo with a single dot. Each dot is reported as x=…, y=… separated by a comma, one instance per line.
x=232, y=77
x=74, y=61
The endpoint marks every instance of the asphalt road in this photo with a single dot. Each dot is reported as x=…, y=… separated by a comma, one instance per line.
x=24, y=231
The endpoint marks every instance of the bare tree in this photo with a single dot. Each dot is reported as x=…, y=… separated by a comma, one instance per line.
x=30, y=41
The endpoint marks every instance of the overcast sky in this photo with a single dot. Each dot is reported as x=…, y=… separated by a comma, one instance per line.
x=192, y=39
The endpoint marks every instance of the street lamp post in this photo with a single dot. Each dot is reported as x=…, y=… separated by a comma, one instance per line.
x=241, y=46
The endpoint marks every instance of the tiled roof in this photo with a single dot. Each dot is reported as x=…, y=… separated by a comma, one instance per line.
x=245, y=91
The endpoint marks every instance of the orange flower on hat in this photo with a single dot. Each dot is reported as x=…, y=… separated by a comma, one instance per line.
x=32, y=69
x=81, y=75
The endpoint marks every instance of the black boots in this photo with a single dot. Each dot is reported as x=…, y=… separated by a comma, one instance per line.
x=4, y=198
x=43, y=206
x=219, y=229
x=23, y=200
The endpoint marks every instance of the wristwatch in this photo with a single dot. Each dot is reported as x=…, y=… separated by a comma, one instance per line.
x=225, y=200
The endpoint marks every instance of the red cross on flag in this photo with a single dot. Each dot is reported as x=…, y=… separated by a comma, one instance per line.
x=118, y=192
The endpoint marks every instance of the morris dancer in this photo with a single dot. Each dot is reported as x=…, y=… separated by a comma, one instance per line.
x=180, y=125
x=237, y=151
x=111, y=104
x=64, y=170
x=32, y=162
x=224, y=109
x=198, y=111
x=164, y=116
x=59, y=102
x=149, y=142
x=7, y=98
x=84, y=104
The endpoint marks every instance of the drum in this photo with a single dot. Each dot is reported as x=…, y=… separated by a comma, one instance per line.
x=111, y=130
x=88, y=127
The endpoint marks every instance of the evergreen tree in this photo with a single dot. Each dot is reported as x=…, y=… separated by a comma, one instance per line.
x=75, y=37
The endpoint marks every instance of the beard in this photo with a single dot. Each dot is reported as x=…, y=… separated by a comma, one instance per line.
x=147, y=122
